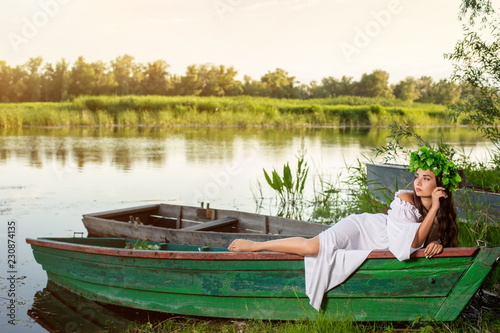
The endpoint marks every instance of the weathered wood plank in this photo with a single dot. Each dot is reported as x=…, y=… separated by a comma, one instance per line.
x=257, y=307
x=227, y=221
x=188, y=212
x=124, y=211
x=219, y=254
x=222, y=260
x=178, y=223
x=468, y=284
x=109, y=228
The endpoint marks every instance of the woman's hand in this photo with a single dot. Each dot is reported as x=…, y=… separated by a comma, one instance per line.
x=432, y=249
x=437, y=193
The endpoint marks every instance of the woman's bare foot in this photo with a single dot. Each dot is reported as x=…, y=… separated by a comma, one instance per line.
x=242, y=245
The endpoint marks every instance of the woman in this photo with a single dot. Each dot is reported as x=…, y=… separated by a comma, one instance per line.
x=425, y=216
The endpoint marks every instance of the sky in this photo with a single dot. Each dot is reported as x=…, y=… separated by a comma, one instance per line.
x=310, y=39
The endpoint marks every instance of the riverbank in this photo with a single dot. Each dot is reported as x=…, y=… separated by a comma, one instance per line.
x=169, y=111
x=181, y=324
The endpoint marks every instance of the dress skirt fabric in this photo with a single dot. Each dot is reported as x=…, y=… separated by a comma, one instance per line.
x=345, y=246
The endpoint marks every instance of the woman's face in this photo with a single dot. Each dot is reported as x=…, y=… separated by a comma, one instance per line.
x=424, y=183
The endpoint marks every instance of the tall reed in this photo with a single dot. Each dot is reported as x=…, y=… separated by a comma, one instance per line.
x=222, y=111
x=290, y=190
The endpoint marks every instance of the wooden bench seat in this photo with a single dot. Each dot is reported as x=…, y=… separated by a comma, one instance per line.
x=227, y=221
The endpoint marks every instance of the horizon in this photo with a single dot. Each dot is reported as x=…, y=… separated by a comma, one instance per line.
x=310, y=39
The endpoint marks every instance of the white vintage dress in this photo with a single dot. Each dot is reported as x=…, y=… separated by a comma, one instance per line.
x=345, y=246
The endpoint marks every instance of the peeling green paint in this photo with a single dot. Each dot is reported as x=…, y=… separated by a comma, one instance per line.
x=382, y=289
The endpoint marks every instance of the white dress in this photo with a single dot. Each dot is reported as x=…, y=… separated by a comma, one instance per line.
x=345, y=246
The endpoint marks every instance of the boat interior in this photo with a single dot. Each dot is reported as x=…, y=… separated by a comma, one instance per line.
x=132, y=244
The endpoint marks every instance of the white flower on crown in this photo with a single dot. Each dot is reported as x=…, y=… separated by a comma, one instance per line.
x=419, y=153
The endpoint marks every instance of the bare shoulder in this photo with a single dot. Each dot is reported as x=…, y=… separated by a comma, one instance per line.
x=406, y=196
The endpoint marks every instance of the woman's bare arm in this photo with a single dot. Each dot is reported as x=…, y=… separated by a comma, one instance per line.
x=425, y=226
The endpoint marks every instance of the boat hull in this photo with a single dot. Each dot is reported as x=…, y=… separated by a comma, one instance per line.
x=262, y=285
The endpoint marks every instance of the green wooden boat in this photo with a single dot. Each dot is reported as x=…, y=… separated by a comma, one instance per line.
x=213, y=282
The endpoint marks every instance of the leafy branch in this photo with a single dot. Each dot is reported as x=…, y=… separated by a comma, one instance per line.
x=394, y=150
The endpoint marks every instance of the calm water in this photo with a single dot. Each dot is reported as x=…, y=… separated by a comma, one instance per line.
x=50, y=177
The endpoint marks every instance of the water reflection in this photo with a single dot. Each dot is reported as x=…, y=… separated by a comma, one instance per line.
x=58, y=310
x=125, y=147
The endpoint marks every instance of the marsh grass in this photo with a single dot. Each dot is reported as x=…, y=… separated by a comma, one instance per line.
x=320, y=325
x=481, y=173
x=220, y=111
x=335, y=200
x=250, y=326
x=189, y=325
x=484, y=178
x=290, y=188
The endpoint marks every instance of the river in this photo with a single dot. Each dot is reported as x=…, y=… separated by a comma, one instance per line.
x=51, y=176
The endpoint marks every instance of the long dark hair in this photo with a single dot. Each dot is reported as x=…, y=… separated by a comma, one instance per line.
x=446, y=217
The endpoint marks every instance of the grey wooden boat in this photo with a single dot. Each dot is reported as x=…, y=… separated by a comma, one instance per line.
x=194, y=225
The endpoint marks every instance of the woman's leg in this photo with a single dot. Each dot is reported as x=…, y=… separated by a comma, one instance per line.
x=294, y=245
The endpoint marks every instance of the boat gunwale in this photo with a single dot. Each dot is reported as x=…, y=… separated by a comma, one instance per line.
x=190, y=255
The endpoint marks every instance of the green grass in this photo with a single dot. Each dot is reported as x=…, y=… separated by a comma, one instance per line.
x=483, y=173
x=484, y=178
x=322, y=325
x=169, y=111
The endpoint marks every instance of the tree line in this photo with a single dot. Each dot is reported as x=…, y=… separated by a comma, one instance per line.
x=35, y=81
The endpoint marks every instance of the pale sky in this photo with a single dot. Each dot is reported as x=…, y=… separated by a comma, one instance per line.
x=310, y=39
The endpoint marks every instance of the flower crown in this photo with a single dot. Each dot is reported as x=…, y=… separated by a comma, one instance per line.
x=428, y=159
